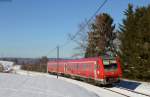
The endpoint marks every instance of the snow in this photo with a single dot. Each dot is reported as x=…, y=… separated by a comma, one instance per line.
x=99, y=92
x=12, y=85
x=131, y=94
x=142, y=87
x=7, y=65
x=105, y=93
x=33, y=84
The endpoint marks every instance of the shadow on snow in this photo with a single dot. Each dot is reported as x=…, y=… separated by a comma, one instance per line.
x=128, y=84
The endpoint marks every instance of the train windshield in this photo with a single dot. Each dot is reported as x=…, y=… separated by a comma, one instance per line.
x=110, y=65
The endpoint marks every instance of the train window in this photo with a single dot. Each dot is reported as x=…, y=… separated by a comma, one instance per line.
x=84, y=66
x=77, y=66
x=87, y=65
x=90, y=66
x=110, y=67
x=74, y=66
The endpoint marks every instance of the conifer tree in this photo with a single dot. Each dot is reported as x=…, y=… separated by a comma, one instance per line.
x=135, y=43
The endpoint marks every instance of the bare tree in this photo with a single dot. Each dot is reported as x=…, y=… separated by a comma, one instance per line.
x=81, y=39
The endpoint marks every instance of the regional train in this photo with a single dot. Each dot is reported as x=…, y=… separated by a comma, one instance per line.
x=102, y=70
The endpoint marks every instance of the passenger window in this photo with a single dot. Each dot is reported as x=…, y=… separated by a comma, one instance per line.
x=77, y=66
x=84, y=66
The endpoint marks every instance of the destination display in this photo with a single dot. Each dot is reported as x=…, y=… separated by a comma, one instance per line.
x=107, y=62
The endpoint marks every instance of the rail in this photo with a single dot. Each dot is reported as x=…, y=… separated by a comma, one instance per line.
x=134, y=91
x=116, y=92
x=126, y=90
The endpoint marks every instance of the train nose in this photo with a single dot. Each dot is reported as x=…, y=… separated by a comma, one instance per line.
x=111, y=77
x=111, y=74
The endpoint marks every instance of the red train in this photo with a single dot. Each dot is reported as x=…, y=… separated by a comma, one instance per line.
x=104, y=71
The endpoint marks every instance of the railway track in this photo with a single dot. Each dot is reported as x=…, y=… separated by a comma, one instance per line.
x=120, y=90
x=116, y=92
x=134, y=91
x=123, y=91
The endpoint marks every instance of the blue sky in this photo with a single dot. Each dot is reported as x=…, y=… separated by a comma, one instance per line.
x=31, y=28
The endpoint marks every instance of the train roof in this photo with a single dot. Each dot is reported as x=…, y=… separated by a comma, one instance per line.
x=83, y=59
x=76, y=60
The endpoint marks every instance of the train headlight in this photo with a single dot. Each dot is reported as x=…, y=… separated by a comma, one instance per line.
x=97, y=72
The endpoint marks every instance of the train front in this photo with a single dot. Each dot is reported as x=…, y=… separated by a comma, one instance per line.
x=111, y=71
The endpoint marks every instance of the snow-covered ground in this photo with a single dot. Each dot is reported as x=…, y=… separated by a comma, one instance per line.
x=49, y=86
x=99, y=92
x=12, y=85
x=143, y=87
x=105, y=93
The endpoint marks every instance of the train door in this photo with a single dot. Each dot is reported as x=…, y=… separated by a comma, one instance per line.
x=77, y=71
x=91, y=69
x=96, y=70
x=87, y=70
x=95, y=75
x=64, y=67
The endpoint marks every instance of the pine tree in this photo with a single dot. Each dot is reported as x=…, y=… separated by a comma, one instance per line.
x=135, y=43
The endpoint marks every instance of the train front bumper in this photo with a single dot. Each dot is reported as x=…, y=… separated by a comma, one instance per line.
x=108, y=80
